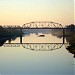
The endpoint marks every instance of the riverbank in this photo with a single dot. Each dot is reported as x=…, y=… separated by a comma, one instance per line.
x=9, y=33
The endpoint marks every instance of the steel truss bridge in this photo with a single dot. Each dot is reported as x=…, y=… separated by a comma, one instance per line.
x=36, y=46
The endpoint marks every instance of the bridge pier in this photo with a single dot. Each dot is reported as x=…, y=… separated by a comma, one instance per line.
x=21, y=37
x=63, y=36
x=9, y=41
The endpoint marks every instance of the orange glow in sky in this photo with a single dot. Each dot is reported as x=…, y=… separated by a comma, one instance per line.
x=22, y=11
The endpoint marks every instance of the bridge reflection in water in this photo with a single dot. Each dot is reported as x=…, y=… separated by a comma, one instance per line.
x=37, y=46
x=42, y=46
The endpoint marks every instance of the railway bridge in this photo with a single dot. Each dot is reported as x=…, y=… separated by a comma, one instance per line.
x=36, y=46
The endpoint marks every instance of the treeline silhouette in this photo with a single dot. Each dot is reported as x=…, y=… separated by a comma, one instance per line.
x=69, y=36
x=71, y=39
x=8, y=33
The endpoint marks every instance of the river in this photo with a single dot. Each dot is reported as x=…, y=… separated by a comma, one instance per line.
x=19, y=60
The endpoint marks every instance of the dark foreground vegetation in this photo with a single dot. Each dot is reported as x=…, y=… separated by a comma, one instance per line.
x=9, y=33
x=69, y=36
x=71, y=39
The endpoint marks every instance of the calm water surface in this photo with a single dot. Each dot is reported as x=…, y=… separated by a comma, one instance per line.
x=18, y=60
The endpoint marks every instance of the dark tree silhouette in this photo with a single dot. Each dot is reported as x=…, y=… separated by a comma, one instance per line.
x=71, y=38
x=8, y=33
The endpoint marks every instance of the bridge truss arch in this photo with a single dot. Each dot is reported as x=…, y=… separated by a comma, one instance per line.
x=42, y=24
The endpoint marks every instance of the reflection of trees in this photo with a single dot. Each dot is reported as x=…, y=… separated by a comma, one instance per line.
x=57, y=32
x=2, y=42
x=69, y=36
x=36, y=31
x=8, y=33
x=71, y=49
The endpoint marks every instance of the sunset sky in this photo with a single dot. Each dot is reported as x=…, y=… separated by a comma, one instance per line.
x=22, y=11
x=28, y=59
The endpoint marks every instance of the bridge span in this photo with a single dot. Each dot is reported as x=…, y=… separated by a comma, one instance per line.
x=37, y=46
